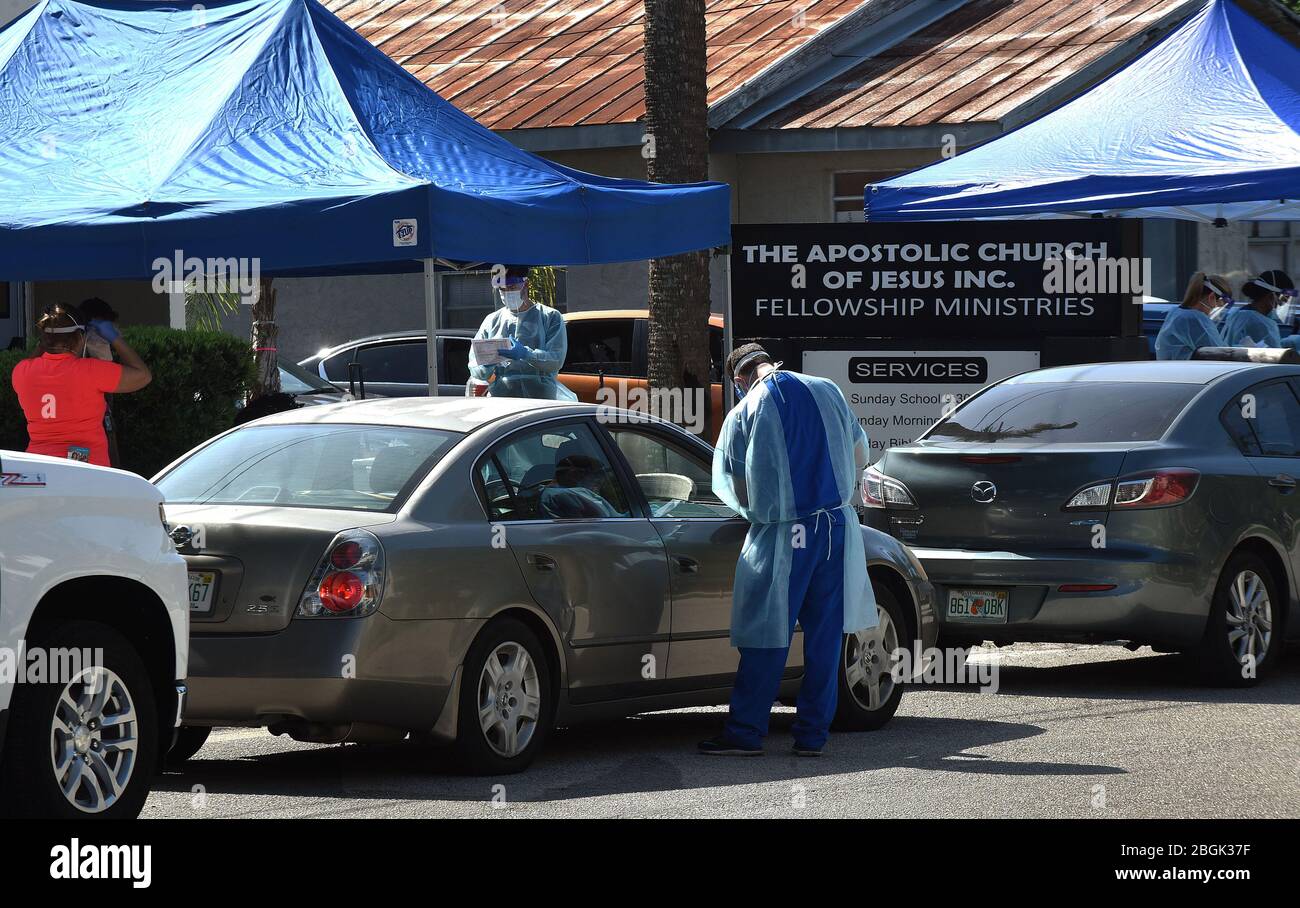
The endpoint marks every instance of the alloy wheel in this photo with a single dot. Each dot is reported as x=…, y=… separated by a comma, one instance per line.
x=509, y=699
x=1249, y=614
x=94, y=733
x=869, y=661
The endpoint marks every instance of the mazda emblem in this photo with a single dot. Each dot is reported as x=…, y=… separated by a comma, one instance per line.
x=984, y=492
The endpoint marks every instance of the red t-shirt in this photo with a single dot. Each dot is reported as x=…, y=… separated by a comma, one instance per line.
x=62, y=396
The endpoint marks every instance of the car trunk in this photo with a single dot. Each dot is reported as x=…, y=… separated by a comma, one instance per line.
x=256, y=560
x=1025, y=513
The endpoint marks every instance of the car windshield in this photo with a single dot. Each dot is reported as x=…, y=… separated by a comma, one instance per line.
x=1071, y=412
x=364, y=468
x=294, y=379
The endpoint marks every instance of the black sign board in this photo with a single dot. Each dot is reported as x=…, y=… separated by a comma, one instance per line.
x=960, y=279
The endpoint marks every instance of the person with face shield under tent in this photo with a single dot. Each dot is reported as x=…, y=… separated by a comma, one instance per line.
x=528, y=365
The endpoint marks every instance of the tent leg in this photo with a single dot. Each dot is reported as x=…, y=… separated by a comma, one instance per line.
x=432, y=311
x=728, y=396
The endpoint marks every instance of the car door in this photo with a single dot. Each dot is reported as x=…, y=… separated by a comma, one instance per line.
x=589, y=555
x=1265, y=423
x=703, y=537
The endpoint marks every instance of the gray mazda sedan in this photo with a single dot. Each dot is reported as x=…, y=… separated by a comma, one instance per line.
x=474, y=571
x=1145, y=502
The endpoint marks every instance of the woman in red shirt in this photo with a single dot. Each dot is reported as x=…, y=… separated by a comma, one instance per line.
x=62, y=391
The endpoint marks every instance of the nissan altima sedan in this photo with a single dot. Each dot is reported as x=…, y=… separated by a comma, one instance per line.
x=1153, y=503
x=475, y=571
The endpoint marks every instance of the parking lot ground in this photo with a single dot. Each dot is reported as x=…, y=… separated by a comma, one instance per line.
x=1074, y=731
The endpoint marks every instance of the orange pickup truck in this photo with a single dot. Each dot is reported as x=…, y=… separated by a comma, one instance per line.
x=610, y=348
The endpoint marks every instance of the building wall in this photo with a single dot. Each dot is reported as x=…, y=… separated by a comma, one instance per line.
x=11, y=9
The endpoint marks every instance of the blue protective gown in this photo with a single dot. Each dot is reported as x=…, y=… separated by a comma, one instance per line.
x=1246, y=327
x=787, y=455
x=1185, y=330
x=540, y=329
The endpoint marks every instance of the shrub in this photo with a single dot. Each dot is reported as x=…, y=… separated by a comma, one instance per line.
x=197, y=378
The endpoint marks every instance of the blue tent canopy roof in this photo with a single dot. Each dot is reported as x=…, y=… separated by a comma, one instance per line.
x=269, y=129
x=1204, y=125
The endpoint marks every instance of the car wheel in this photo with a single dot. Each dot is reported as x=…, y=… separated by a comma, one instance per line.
x=1241, y=643
x=506, y=703
x=86, y=746
x=189, y=741
x=868, y=693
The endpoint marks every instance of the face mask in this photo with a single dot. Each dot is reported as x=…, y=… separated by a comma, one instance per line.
x=513, y=299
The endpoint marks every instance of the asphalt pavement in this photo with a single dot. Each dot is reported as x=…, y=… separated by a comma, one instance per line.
x=1073, y=731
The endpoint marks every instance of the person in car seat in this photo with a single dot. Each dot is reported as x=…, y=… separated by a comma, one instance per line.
x=575, y=493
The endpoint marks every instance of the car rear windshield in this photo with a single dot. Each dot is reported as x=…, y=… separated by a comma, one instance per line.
x=363, y=468
x=1071, y=412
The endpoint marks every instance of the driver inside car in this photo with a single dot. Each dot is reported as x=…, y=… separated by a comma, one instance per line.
x=575, y=493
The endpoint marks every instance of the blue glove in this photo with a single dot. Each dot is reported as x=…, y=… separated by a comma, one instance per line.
x=515, y=351
x=105, y=329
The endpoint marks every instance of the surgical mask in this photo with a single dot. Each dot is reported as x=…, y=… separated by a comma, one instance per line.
x=513, y=299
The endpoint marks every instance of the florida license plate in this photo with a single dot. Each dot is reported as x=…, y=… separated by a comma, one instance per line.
x=201, y=586
x=982, y=606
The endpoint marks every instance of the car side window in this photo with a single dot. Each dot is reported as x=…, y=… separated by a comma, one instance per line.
x=455, y=360
x=336, y=367
x=406, y=362
x=599, y=346
x=675, y=482
x=554, y=473
x=1265, y=421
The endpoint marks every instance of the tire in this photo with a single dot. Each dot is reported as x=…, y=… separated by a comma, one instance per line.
x=490, y=750
x=189, y=741
x=63, y=720
x=1233, y=629
x=871, y=698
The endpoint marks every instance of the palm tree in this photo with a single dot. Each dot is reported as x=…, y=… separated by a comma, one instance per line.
x=677, y=151
x=265, y=335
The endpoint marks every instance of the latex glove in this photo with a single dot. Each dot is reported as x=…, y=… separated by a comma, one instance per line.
x=515, y=351
x=105, y=329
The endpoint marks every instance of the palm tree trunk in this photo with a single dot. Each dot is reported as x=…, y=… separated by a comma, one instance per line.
x=677, y=151
x=265, y=336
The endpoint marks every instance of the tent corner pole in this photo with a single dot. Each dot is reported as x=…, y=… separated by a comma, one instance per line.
x=432, y=312
x=728, y=395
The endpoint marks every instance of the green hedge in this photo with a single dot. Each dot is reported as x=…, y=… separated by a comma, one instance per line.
x=197, y=378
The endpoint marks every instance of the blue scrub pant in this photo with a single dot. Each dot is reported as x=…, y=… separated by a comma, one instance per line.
x=817, y=604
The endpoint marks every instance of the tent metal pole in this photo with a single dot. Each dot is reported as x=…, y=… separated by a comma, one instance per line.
x=432, y=312
x=728, y=396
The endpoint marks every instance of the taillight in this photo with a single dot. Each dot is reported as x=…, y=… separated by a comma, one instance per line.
x=881, y=491
x=1154, y=489
x=349, y=581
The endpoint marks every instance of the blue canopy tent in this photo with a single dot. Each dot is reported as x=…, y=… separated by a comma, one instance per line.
x=1203, y=126
x=268, y=129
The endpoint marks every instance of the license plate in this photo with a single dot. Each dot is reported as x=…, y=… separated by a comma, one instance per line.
x=201, y=586
x=982, y=606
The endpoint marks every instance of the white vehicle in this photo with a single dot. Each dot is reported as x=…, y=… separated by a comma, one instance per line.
x=94, y=631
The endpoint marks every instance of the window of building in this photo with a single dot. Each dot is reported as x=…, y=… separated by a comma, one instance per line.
x=1275, y=244
x=847, y=188
x=467, y=297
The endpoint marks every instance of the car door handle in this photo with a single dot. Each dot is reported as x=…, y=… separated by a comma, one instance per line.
x=1282, y=481
x=541, y=562
x=687, y=565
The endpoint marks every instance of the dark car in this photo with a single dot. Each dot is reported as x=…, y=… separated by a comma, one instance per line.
x=396, y=364
x=1152, y=503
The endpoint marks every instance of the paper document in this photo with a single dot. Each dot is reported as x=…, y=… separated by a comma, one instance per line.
x=487, y=351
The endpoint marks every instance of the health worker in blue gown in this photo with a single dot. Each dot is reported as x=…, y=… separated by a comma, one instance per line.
x=1189, y=327
x=539, y=343
x=789, y=460
x=1256, y=324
